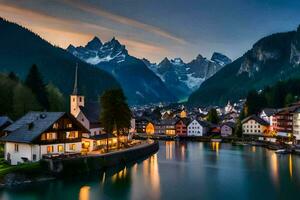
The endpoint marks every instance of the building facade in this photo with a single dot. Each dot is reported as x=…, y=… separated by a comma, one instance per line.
x=197, y=128
x=254, y=125
x=39, y=134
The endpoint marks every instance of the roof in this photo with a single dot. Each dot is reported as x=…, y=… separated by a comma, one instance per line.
x=203, y=123
x=230, y=124
x=31, y=125
x=269, y=111
x=92, y=111
x=257, y=119
x=39, y=122
x=186, y=121
x=4, y=120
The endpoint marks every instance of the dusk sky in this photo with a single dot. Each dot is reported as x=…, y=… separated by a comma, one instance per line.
x=155, y=29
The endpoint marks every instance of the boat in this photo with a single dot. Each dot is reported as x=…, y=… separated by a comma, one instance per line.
x=282, y=151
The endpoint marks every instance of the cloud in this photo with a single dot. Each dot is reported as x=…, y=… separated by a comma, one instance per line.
x=124, y=20
x=62, y=32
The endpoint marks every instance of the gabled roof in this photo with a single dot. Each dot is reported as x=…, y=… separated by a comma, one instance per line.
x=230, y=124
x=257, y=119
x=4, y=120
x=186, y=121
x=202, y=123
x=91, y=111
x=30, y=126
x=269, y=111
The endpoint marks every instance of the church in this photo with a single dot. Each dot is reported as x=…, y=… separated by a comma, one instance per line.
x=88, y=114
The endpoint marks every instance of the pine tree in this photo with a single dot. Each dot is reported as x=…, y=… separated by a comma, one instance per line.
x=55, y=98
x=35, y=82
x=213, y=116
x=115, y=113
x=23, y=101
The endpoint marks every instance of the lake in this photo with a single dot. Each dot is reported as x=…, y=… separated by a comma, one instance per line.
x=182, y=170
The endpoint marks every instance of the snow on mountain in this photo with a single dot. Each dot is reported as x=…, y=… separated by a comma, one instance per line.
x=95, y=52
x=184, y=78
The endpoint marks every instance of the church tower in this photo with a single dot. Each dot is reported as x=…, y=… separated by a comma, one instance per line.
x=76, y=100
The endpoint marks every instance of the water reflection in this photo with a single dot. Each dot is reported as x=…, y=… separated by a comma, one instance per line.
x=84, y=193
x=291, y=165
x=169, y=150
x=151, y=176
x=215, y=147
x=274, y=168
x=253, y=149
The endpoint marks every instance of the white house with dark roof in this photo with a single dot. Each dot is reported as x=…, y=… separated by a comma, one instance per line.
x=197, y=128
x=39, y=134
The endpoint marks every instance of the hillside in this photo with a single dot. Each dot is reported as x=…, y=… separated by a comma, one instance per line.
x=20, y=48
x=275, y=57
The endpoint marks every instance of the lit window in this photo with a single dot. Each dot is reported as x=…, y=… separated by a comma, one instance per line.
x=72, y=134
x=60, y=148
x=69, y=125
x=72, y=147
x=16, y=148
x=49, y=149
x=55, y=125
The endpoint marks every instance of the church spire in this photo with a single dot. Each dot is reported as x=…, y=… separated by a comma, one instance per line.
x=75, y=90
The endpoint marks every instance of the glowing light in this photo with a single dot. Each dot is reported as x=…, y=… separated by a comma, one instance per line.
x=169, y=150
x=274, y=168
x=291, y=165
x=84, y=193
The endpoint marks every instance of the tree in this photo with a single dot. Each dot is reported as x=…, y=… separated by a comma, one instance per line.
x=213, y=116
x=115, y=113
x=35, y=82
x=56, y=99
x=23, y=101
x=12, y=76
x=289, y=99
x=6, y=95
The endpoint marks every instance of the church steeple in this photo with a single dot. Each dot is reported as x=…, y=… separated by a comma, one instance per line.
x=76, y=100
x=75, y=89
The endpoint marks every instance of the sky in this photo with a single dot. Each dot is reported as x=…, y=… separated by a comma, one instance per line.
x=155, y=29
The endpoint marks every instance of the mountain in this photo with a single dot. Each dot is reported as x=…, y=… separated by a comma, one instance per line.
x=140, y=84
x=184, y=78
x=20, y=48
x=273, y=58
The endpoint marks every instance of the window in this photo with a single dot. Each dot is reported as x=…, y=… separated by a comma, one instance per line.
x=73, y=99
x=55, y=126
x=60, y=148
x=72, y=147
x=34, y=157
x=16, y=148
x=72, y=134
x=80, y=99
x=49, y=136
x=49, y=149
x=69, y=125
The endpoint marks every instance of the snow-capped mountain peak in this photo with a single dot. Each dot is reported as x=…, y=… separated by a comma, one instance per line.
x=94, y=44
x=95, y=52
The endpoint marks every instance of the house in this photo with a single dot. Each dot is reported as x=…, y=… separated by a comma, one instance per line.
x=181, y=127
x=254, y=125
x=38, y=134
x=296, y=125
x=227, y=129
x=282, y=121
x=150, y=129
x=267, y=115
x=197, y=128
x=140, y=124
x=4, y=122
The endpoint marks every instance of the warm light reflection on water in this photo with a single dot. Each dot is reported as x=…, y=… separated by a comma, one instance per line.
x=169, y=150
x=215, y=147
x=253, y=148
x=84, y=193
x=119, y=175
x=151, y=175
x=291, y=165
x=274, y=168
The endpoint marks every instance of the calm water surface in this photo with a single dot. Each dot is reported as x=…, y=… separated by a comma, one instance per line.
x=183, y=170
